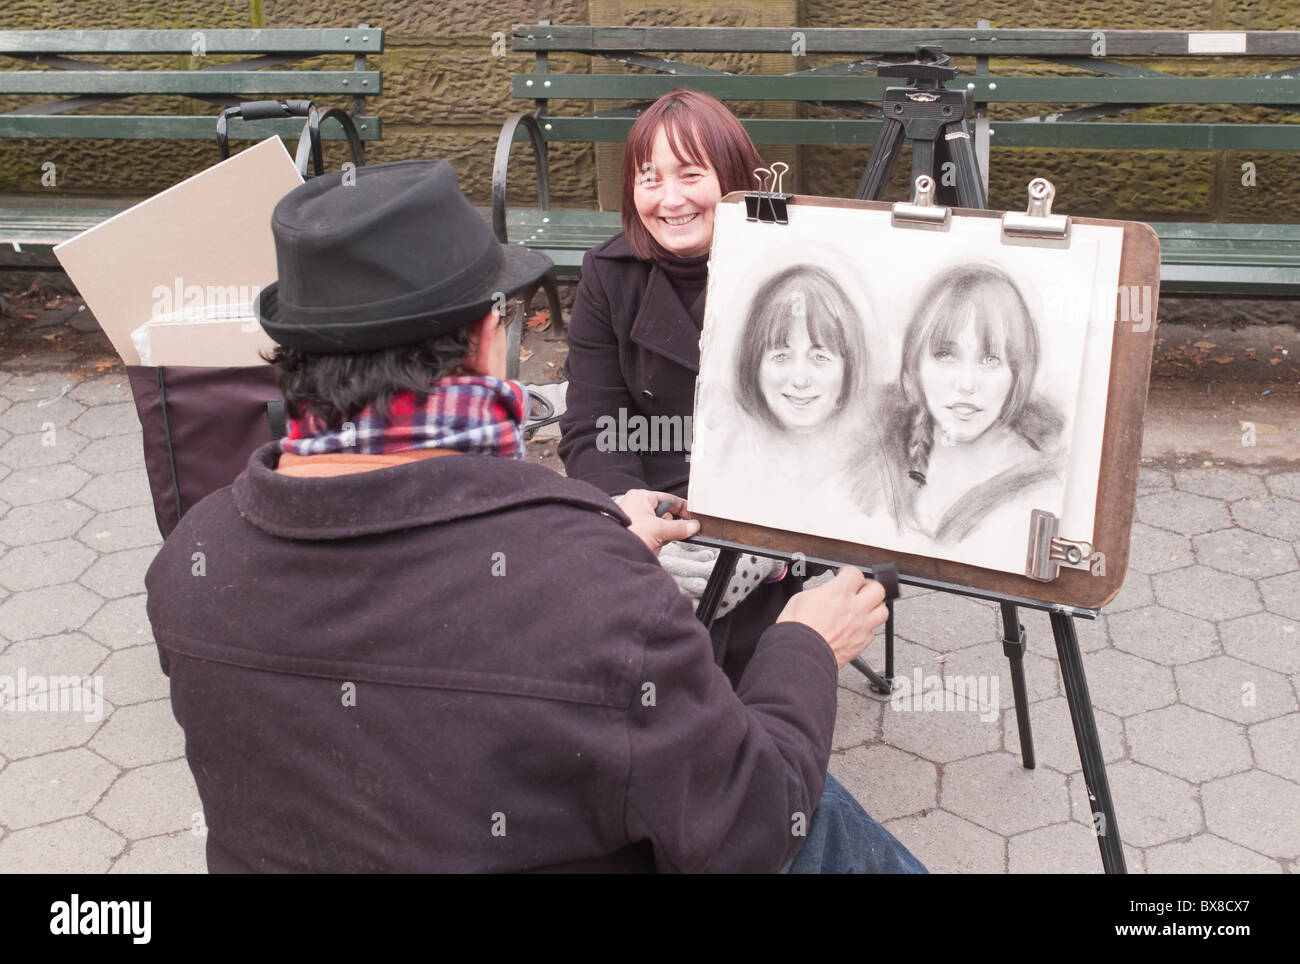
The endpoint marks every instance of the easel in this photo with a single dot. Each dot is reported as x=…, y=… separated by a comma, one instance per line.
x=1054, y=582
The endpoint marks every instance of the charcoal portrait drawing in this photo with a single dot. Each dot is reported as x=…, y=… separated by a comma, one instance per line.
x=916, y=392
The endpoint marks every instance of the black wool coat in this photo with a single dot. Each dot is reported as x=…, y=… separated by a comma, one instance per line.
x=469, y=663
x=634, y=347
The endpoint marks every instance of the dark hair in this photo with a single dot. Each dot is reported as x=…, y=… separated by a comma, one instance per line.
x=337, y=387
x=987, y=297
x=807, y=293
x=700, y=131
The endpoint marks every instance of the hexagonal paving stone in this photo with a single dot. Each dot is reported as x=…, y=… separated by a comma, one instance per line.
x=103, y=421
x=44, y=788
x=1064, y=848
x=1155, y=550
x=1265, y=639
x=1135, y=592
x=997, y=793
x=1285, y=484
x=1234, y=689
x=1275, y=744
x=122, y=623
x=45, y=612
x=41, y=522
x=1182, y=512
x=936, y=735
x=120, y=573
x=887, y=782
x=116, y=454
x=857, y=719
x=1226, y=485
x=1245, y=553
x=32, y=733
x=1269, y=516
x=35, y=416
x=41, y=448
x=141, y=734
x=177, y=853
x=1150, y=807
x=1208, y=854
x=1163, y=635
x=1282, y=594
x=151, y=800
x=45, y=484
x=102, y=389
x=1205, y=592
x=1153, y=480
x=1053, y=733
x=1256, y=809
x=1187, y=743
x=71, y=707
x=134, y=676
x=116, y=490
x=76, y=846
x=44, y=564
x=944, y=621
x=949, y=845
x=27, y=386
x=122, y=529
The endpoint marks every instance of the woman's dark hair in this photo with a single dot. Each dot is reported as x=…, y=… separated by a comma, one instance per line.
x=337, y=387
x=986, y=297
x=700, y=131
x=801, y=294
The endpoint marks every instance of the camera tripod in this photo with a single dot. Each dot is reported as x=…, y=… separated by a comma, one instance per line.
x=923, y=113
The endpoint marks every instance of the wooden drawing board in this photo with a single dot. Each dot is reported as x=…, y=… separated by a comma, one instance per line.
x=1121, y=451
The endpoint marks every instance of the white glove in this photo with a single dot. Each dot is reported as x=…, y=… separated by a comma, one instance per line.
x=691, y=566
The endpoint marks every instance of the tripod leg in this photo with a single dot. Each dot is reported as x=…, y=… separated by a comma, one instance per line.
x=961, y=151
x=723, y=570
x=922, y=162
x=1013, y=646
x=1085, y=735
x=884, y=154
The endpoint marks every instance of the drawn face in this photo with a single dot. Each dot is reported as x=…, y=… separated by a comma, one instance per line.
x=965, y=386
x=801, y=381
x=675, y=201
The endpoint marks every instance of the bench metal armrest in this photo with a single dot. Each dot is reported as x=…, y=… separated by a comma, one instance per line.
x=502, y=162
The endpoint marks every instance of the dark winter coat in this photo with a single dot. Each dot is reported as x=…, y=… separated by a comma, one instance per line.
x=634, y=346
x=469, y=664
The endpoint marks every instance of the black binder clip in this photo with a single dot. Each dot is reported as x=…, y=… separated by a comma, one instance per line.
x=768, y=204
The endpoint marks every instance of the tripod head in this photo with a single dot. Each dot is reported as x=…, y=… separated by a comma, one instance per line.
x=927, y=72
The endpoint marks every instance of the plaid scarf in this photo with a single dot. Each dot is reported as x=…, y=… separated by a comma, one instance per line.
x=474, y=414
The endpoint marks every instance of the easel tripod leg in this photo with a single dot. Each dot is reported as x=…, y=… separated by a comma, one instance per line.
x=1085, y=735
x=1013, y=647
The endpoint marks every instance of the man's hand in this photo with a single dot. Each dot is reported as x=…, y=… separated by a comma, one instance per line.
x=846, y=611
x=640, y=505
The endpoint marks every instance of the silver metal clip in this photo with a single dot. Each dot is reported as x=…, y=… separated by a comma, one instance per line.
x=769, y=202
x=922, y=211
x=1038, y=221
x=1048, y=552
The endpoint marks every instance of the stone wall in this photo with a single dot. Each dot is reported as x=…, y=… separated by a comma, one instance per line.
x=446, y=95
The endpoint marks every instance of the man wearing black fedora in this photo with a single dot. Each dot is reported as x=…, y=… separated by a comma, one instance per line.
x=407, y=649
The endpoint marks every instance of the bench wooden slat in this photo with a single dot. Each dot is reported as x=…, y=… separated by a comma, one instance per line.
x=1063, y=134
x=862, y=41
x=224, y=41
x=1030, y=90
x=125, y=127
x=190, y=82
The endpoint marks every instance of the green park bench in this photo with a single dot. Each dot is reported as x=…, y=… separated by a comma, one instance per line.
x=1097, y=75
x=31, y=225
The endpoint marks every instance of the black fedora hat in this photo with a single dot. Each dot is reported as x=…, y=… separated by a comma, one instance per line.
x=382, y=256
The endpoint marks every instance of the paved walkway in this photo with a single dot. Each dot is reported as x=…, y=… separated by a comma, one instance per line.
x=1194, y=673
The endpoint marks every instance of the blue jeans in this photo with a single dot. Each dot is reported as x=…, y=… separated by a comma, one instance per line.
x=843, y=839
